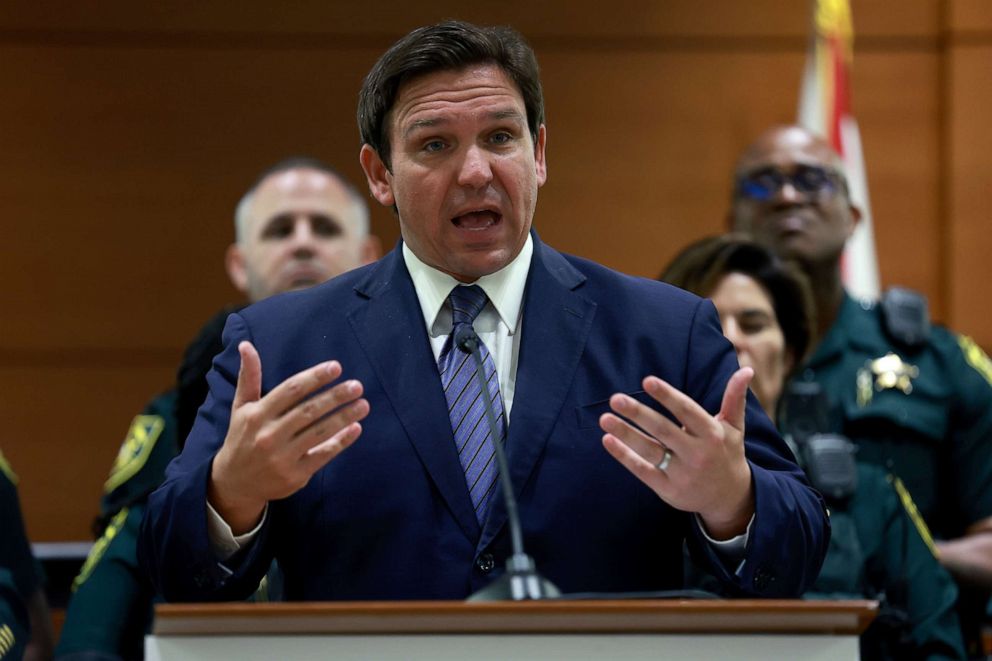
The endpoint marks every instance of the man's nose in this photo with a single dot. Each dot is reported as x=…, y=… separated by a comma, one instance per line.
x=476, y=171
x=787, y=193
x=303, y=235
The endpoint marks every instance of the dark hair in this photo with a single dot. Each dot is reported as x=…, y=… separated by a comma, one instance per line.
x=191, y=377
x=700, y=267
x=446, y=46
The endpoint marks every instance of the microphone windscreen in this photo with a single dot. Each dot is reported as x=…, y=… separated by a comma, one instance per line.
x=465, y=338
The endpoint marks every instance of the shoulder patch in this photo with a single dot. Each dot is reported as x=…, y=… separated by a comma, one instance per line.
x=7, y=640
x=914, y=514
x=7, y=470
x=100, y=547
x=976, y=357
x=134, y=452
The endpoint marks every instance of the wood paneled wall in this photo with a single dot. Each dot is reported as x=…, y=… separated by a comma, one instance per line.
x=130, y=130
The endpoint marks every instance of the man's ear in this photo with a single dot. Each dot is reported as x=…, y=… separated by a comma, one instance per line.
x=371, y=249
x=855, y=218
x=378, y=176
x=540, y=161
x=234, y=263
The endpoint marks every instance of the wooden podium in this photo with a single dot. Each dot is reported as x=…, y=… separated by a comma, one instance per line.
x=436, y=630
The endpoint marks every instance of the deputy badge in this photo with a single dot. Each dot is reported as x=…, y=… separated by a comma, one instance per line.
x=883, y=373
x=135, y=450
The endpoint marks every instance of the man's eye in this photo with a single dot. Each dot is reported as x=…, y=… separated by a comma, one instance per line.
x=501, y=138
x=278, y=230
x=812, y=178
x=324, y=226
x=433, y=146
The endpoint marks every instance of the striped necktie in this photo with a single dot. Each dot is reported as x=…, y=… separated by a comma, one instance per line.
x=473, y=439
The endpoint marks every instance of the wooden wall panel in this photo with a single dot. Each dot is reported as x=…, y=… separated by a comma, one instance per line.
x=62, y=429
x=970, y=16
x=306, y=20
x=134, y=128
x=969, y=183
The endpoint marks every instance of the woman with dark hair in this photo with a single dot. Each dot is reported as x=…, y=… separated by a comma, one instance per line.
x=876, y=551
x=764, y=305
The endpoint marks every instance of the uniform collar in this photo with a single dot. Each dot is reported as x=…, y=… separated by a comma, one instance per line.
x=853, y=326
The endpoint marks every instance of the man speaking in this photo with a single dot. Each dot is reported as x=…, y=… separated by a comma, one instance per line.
x=343, y=434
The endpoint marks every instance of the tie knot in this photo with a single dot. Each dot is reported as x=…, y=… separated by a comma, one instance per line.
x=466, y=304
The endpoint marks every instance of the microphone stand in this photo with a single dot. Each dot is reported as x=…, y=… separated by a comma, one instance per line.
x=521, y=580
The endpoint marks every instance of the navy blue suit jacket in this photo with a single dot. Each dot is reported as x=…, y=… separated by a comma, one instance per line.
x=390, y=518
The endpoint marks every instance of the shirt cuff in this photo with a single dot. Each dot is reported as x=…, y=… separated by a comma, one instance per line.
x=223, y=542
x=731, y=551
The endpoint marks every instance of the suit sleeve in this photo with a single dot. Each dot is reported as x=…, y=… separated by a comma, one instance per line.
x=173, y=547
x=790, y=533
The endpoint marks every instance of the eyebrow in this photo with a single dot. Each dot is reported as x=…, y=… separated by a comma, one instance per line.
x=752, y=313
x=438, y=121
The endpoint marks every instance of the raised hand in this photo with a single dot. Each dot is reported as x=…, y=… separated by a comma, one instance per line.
x=276, y=443
x=698, y=467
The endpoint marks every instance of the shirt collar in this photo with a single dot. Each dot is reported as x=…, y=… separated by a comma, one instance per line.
x=505, y=288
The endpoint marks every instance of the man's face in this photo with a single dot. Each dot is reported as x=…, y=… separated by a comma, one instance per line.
x=465, y=171
x=302, y=228
x=807, y=215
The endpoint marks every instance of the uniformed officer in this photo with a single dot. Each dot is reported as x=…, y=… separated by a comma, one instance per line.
x=23, y=608
x=300, y=224
x=879, y=546
x=915, y=397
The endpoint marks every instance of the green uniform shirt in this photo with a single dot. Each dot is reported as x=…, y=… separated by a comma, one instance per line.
x=20, y=576
x=923, y=414
x=880, y=549
x=112, y=604
x=13, y=618
x=15, y=551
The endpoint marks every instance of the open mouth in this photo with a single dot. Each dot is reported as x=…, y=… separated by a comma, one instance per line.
x=477, y=221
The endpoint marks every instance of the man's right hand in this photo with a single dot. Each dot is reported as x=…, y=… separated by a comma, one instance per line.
x=276, y=443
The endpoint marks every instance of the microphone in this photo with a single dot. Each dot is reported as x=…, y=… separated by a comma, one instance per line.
x=521, y=580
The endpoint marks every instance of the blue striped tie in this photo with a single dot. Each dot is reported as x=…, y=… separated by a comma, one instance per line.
x=465, y=405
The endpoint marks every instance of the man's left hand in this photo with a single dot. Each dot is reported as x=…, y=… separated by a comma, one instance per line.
x=706, y=471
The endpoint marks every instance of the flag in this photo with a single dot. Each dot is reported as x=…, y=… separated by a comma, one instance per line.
x=825, y=109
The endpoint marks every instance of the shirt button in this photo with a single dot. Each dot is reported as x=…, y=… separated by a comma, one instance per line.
x=485, y=563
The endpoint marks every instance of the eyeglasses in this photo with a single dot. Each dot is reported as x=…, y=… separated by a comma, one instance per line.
x=811, y=180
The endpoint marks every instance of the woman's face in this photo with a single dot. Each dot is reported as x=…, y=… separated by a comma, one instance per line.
x=749, y=322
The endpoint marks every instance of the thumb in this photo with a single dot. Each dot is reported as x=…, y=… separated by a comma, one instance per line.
x=735, y=398
x=249, y=388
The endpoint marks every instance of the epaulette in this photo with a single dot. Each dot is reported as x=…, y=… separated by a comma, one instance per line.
x=906, y=317
x=7, y=470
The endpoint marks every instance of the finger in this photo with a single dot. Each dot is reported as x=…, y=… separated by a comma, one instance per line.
x=642, y=469
x=645, y=446
x=694, y=418
x=249, y=386
x=330, y=425
x=652, y=422
x=735, y=398
x=289, y=393
x=312, y=409
x=323, y=452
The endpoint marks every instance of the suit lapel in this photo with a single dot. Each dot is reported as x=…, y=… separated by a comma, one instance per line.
x=556, y=324
x=392, y=333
